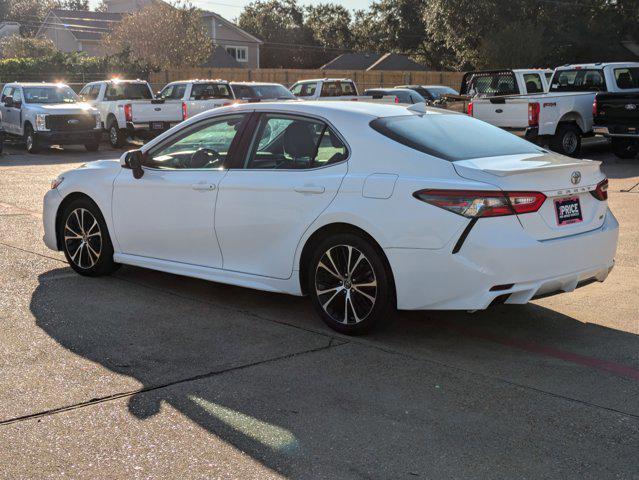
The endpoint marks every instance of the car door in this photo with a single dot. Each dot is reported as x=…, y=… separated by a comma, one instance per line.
x=168, y=213
x=288, y=175
x=6, y=114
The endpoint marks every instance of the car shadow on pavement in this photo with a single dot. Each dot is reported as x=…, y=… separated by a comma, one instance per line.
x=304, y=401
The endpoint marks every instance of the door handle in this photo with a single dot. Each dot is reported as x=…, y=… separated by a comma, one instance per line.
x=316, y=189
x=203, y=186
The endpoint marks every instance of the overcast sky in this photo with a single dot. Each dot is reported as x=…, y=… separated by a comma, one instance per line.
x=231, y=9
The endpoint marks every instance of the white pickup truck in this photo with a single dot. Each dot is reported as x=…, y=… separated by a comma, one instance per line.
x=325, y=89
x=490, y=83
x=129, y=109
x=560, y=117
x=197, y=96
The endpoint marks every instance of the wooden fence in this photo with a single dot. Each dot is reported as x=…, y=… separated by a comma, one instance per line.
x=363, y=79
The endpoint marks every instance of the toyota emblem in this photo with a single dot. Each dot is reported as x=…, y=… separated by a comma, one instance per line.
x=575, y=178
x=630, y=106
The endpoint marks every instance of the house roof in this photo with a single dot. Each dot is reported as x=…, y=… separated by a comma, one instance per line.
x=83, y=25
x=219, y=58
x=395, y=61
x=352, y=61
x=223, y=20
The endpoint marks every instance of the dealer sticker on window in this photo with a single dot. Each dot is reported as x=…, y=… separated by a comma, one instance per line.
x=568, y=210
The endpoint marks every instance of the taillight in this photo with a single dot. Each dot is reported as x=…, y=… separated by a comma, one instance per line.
x=601, y=192
x=396, y=99
x=185, y=113
x=533, y=114
x=594, y=108
x=482, y=203
x=470, y=109
x=128, y=112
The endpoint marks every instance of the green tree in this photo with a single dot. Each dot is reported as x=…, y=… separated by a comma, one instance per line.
x=74, y=4
x=29, y=13
x=26, y=47
x=330, y=27
x=162, y=36
x=280, y=24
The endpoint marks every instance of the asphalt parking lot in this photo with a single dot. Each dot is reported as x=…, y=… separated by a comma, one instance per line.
x=150, y=375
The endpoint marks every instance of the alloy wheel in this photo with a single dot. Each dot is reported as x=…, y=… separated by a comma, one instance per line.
x=83, y=238
x=29, y=141
x=345, y=284
x=569, y=142
x=113, y=135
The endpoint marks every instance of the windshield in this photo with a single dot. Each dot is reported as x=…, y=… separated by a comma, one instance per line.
x=62, y=94
x=437, y=92
x=452, y=136
x=578, y=80
x=128, y=91
x=266, y=92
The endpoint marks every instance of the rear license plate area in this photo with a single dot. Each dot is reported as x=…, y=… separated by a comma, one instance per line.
x=157, y=125
x=568, y=211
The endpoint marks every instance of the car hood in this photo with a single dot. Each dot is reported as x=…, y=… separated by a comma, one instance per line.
x=62, y=108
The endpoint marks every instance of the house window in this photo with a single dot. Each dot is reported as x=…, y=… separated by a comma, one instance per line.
x=238, y=53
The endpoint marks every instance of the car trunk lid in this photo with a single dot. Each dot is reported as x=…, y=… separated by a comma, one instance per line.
x=565, y=182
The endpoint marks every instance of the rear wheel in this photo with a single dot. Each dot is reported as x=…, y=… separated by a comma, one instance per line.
x=624, y=148
x=567, y=140
x=116, y=135
x=349, y=284
x=31, y=140
x=85, y=239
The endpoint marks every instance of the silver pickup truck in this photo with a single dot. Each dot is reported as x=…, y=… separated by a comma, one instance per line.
x=45, y=114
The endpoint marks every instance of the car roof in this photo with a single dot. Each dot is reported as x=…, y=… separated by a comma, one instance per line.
x=257, y=83
x=598, y=65
x=200, y=80
x=325, y=80
x=36, y=84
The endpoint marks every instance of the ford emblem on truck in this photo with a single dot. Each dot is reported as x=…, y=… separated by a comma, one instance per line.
x=630, y=106
x=575, y=177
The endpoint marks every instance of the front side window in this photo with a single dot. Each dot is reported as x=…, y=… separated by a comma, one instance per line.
x=533, y=83
x=7, y=92
x=304, y=89
x=452, y=136
x=205, y=91
x=627, y=78
x=200, y=146
x=128, y=91
x=48, y=94
x=288, y=142
x=90, y=92
x=578, y=80
x=173, y=92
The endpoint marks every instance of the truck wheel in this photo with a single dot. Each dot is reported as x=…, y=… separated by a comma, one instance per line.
x=31, y=140
x=567, y=140
x=116, y=136
x=625, y=148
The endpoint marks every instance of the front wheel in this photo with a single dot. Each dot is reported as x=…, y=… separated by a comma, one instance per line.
x=31, y=140
x=350, y=284
x=567, y=140
x=625, y=148
x=85, y=239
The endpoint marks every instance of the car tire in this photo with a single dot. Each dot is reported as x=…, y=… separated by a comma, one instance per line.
x=85, y=239
x=31, y=140
x=116, y=135
x=624, y=148
x=567, y=140
x=350, y=284
x=92, y=147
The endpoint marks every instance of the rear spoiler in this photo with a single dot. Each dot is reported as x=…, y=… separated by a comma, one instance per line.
x=463, y=90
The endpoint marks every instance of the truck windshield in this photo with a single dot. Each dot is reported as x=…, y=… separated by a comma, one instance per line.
x=204, y=91
x=50, y=94
x=452, y=136
x=128, y=91
x=578, y=80
x=627, y=78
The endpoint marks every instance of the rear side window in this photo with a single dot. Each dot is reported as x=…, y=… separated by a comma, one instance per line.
x=533, y=83
x=205, y=91
x=578, y=80
x=627, y=78
x=487, y=84
x=452, y=137
x=128, y=91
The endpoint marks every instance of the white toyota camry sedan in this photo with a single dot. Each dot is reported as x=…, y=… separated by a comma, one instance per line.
x=363, y=207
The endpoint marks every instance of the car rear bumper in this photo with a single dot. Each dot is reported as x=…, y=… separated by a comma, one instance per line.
x=500, y=262
x=81, y=137
x=605, y=131
x=144, y=130
x=52, y=201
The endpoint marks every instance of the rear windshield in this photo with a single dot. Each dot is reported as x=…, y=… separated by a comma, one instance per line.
x=627, y=78
x=489, y=84
x=337, y=89
x=578, y=80
x=452, y=137
x=267, y=92
x=128, y=91
x=204, y=91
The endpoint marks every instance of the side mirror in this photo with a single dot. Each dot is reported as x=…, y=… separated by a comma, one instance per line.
x=133, y=161
x=8, y=101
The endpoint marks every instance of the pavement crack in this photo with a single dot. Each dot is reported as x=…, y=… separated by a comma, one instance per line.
x=32, y=252
x=130, y=393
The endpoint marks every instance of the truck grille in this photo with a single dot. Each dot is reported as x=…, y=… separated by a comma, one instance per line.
x=70, y=122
